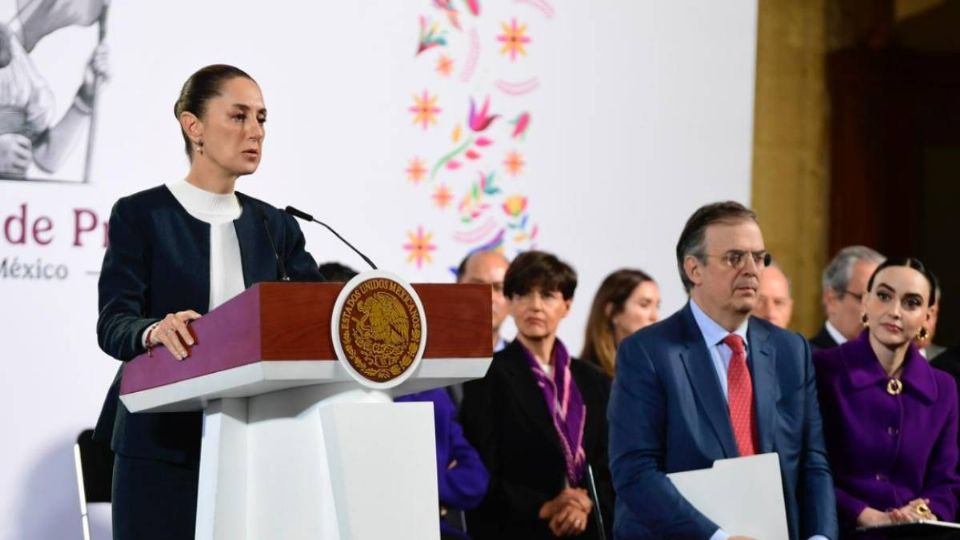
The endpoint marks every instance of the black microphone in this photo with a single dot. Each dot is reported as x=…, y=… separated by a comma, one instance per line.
x=280, y=266
x=307, y=217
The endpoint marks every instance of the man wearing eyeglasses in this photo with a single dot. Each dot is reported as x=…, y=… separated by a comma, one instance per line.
x=844, y=284
x=710, y=383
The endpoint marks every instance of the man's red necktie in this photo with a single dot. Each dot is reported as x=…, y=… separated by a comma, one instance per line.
x=740, y=397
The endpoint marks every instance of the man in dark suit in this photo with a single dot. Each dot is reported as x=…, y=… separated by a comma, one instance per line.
x=486, y=267
x=844, y=284
x=710, y=383
x=822, y=339
x=928, y=348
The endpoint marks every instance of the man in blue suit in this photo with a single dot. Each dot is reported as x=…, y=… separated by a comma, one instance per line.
x=710, y=383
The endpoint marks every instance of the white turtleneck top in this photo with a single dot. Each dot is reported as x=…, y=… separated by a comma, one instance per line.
x=219, y=211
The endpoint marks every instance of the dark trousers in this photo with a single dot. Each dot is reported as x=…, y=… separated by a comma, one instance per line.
x=153, y=499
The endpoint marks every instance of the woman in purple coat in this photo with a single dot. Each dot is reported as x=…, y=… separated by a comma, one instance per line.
x=890, y=419
x=461, y=474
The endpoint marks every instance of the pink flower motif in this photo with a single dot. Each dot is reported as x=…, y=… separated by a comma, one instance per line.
x=419, y=247
x=425, y=109
x=520, y=125
x=480, y=120
x=514, y=39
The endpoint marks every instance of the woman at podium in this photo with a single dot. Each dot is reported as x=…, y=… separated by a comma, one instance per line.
x=538, y=419
x=890, y=420
x=177, y=251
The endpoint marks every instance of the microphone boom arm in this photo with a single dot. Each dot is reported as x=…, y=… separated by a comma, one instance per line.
x=307, y=217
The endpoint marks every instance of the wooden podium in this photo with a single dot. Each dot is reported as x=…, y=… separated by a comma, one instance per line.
x=294, y=444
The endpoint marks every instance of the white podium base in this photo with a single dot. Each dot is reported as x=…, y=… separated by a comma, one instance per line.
x=318, y=463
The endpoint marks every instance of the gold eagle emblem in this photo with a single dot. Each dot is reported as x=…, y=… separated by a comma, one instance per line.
x=380, y=329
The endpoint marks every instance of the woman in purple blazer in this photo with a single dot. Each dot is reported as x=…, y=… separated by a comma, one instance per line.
x=462, y=477
x=890, y=419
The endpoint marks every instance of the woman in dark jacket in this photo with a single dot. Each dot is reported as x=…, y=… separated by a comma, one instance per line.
x=177, y=251
x=538, y=419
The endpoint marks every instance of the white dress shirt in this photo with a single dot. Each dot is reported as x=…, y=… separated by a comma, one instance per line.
x=835, y=334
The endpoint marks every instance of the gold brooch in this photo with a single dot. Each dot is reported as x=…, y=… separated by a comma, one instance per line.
x=894, y=387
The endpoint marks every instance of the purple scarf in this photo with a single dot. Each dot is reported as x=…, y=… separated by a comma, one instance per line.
x=566, y=408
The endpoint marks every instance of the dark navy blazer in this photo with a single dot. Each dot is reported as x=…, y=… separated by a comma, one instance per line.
x=158, y=262
x=667, y=414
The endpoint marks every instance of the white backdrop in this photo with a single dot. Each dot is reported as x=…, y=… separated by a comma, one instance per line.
x=639, y=112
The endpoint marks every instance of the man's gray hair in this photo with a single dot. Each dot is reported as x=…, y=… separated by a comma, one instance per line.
x=836, y=275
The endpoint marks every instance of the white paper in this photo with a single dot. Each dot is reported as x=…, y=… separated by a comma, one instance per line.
x=744, y=496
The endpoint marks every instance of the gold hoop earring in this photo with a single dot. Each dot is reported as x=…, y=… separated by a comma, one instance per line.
x=863, y=320
x=922, y=334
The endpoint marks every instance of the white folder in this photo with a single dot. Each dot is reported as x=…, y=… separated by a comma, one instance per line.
x=744, y=496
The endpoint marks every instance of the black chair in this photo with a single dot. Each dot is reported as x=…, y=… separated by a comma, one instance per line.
x=94, y=465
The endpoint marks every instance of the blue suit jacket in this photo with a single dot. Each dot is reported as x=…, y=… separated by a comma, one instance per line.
x=667, y=413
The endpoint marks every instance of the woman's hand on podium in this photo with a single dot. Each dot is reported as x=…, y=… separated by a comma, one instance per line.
x=173, y=333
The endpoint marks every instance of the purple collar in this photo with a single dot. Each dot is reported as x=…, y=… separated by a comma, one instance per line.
x=864, y=369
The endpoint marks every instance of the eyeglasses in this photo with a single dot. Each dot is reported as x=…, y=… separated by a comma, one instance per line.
x=737, y=259
x=857, y=297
